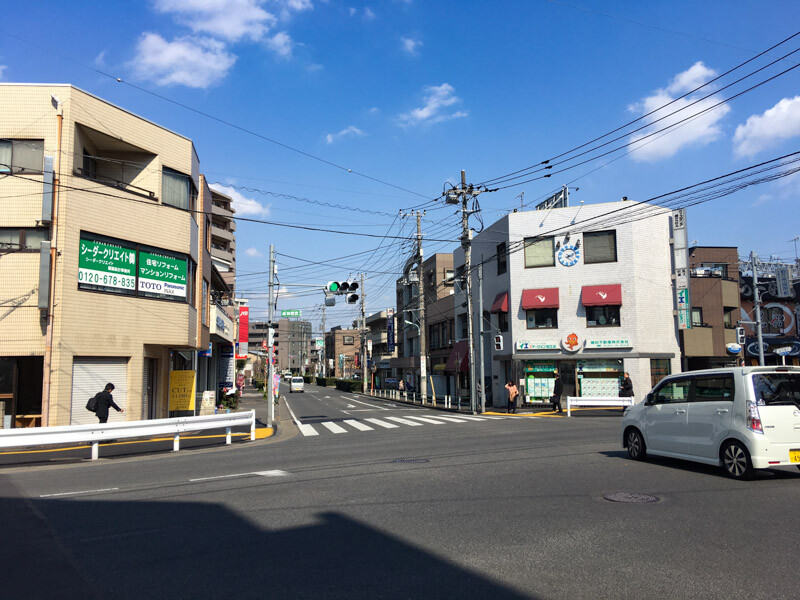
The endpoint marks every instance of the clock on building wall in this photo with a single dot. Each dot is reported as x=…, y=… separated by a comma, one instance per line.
x=568, y=255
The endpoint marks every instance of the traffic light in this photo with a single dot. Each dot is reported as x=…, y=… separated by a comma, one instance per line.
x=740, y=336
x=352, y=298
x=333, y=287
x=339, y=288
x=498, y=342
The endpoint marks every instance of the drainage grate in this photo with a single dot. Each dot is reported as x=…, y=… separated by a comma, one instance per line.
x=410, y=460
x=630, y=498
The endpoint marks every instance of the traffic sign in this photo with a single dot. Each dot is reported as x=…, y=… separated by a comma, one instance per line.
x=264, y=344
x=783, y=350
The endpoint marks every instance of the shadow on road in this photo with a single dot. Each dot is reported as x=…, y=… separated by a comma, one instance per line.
x=90, y=548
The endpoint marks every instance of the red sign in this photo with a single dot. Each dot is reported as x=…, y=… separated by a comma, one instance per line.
x=244, y=324
x=264, y=344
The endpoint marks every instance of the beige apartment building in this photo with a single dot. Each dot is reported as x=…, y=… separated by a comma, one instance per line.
x=105, y=268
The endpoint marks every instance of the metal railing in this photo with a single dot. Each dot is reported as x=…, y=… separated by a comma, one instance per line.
x=597, y=401
x=94, y=434
x=445, y=401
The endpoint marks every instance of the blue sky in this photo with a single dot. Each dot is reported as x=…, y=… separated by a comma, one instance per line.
x=409, y=93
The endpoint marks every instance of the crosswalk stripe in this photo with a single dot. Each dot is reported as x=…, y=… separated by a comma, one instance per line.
x=306, y=429
x=471, y=418
x=382, y=423
x=333, y=427
x=404, y=421
x=427, y=420
x=450, y=419
x=358, y=425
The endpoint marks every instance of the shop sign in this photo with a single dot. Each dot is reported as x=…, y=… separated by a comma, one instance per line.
x=734, y=348
x=390, y=330
x=683, y=299
x=162, y=275
x=782, y=351
x=540, y=366
x=181, y=390
x=684, y=319
x=206, y=353
x=601, y=344
x=783, y=281
x=537, y=346
x=290, y=313
x=225, y=367
x=599, y=366
x=572, y=342
x=106, y=265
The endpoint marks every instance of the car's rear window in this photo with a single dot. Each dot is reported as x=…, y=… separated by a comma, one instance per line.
x=297, y=380
x=777, y=388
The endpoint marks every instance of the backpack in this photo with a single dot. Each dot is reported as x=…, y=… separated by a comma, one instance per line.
x=91, y=405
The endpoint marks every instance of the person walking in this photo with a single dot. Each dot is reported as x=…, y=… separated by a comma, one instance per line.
x=513, y=392
x=558, y=388
x=105, y=401
x=626, y=388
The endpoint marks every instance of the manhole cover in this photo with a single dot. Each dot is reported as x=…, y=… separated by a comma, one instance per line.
x=410, y=460
x=631, y=498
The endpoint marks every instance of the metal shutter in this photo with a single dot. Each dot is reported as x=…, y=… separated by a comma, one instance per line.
x=89, y=376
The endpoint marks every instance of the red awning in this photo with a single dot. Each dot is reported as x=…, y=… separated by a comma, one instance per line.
x=500, y=303
x=541, y=298
x=601, y=295
x=459, y=357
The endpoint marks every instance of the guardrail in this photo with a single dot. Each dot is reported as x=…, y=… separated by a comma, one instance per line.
x=416, y=398
x=596, y=401
x=71, y=434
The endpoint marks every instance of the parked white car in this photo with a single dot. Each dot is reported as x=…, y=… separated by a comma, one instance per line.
x=296, y=385
x=741, y=419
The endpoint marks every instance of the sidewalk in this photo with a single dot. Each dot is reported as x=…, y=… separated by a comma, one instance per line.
x=253, y=399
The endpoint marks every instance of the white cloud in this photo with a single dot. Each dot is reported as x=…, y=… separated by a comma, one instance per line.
x=774, y=125
x=698, y=131
x=2, y=70
x=351, y=131
x=314, y=67
x=352, y=11
x=193, y=62
x=243, y=205
x=281, y=43
x=437, y=98
x=369, y=15
x=229, y=19
x=100, y=59
x=253, y=253
x=410, y=45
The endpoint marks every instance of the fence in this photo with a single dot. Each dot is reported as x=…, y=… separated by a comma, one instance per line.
x=94, y=434
x=416, y=398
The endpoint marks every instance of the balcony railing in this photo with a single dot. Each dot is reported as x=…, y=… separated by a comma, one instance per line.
x=115, y=183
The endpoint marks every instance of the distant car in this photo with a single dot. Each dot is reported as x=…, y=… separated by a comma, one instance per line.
x=287, y=375
x=739, y=418
x=296, y=385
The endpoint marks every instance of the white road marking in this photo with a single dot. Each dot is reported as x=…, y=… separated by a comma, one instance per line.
x=426, y=420
x=273, y=473
x=327, y=397
x=358, y=425
x=77, y=493
x=382, y=423
x=333, y=427
x=404, y=421
x=351, y=406
x=451, y=419
x=368, y=404
x=306, y=430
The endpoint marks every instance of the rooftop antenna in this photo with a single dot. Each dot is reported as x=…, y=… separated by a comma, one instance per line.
x=576, y=214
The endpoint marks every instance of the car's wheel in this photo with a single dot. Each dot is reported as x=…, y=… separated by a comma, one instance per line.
x=798, y=467
x=635, y=443
x=736, y=461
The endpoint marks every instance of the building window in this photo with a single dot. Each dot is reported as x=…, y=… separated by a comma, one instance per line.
x=659, y=368
x=727, y=318
x=25, y=238
x=539, y=252
x=542, y=318
x=21, y=156
x=502, y=321
x=697, y=316
x=176, y=189
x=348, y=340
x=448, y=276
x=502, y=259
x=205, y=302
x=599, y=247
x=462, y=319
x=433, y=335
x=602, y=316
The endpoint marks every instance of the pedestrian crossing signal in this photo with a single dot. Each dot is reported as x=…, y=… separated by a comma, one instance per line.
x=498, y=342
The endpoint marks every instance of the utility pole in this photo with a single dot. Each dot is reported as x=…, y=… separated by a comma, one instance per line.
x=480, y=335
x=363, y=338
x=271, y=340
x=757, y=306
x=324, y=351
x=423, y=330
x=462, y=194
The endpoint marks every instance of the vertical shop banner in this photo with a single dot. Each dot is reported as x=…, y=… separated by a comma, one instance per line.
x=162, y=275
x=181, y=390
x=390, y=330
x=680, y=250
x=106, y=265
x=244, y=331
x=225, y=367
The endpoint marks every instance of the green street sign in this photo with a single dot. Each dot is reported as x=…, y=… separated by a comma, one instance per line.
x=290, y=313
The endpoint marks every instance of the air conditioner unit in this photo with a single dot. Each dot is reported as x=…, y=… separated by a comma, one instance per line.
x=449, y=342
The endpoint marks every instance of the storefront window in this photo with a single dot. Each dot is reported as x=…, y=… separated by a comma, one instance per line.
x=602, y=316
x=659, y=368
x=542, y=318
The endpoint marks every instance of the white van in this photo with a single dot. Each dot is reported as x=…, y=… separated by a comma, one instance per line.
x=741, y=419
x=296, y=385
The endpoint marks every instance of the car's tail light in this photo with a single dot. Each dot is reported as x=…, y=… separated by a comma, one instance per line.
x=753, y=417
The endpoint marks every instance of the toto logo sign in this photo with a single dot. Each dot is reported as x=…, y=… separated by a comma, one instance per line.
x=150, y=285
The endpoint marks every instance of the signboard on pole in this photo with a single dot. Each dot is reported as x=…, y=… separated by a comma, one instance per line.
x=783, y=281
x=684, y=319
x=290, y=313
x=106, y=266
x=683, y=299
x=390, y=330
x=680, y=254
x=244, y=333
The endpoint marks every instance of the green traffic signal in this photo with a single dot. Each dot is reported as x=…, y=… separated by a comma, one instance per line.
x=333, y=286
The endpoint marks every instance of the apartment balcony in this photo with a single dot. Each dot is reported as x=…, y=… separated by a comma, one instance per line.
x=221, y=253
x=221, y=233
x=221, y=211
x=698, y=341
x=378, y=337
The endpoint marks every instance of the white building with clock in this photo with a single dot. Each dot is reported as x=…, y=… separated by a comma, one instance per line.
x=583, y=290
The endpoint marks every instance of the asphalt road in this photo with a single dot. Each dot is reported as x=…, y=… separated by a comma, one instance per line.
x=493, y=508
